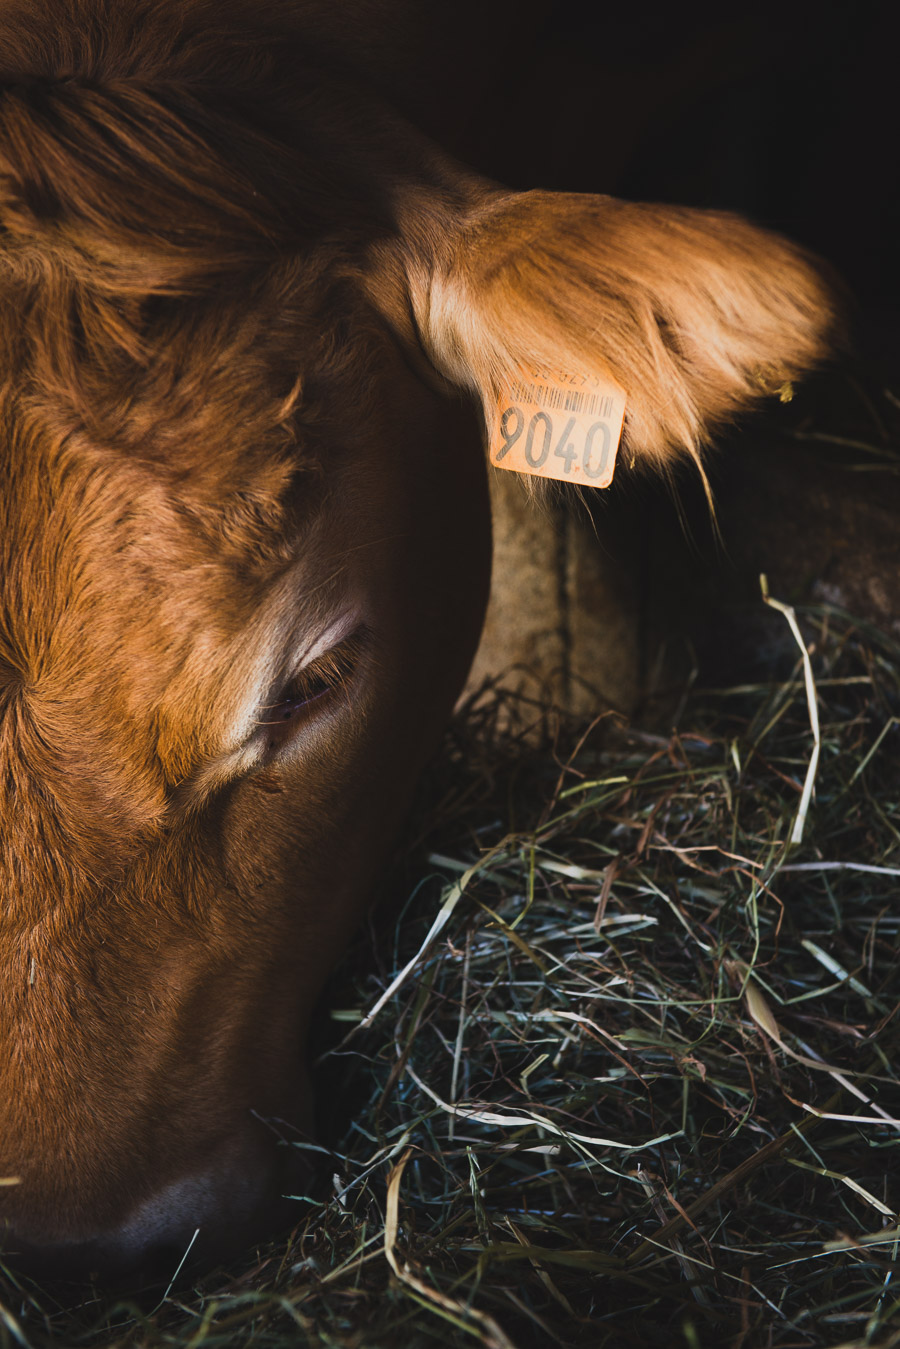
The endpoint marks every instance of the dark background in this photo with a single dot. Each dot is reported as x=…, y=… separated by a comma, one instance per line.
x=785, y=113
x=789, y=116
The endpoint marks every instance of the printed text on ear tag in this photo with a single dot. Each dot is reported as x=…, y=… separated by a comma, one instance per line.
x=555, y=425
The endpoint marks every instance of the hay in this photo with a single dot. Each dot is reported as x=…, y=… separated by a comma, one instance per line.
x=638, y=1086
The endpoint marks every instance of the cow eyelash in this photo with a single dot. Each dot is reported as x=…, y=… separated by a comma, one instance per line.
x=314, y=683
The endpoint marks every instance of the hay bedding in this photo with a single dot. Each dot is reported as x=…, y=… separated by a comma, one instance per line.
x=640, y=1087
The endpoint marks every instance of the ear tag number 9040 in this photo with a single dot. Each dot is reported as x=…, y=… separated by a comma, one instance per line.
x=559, y=426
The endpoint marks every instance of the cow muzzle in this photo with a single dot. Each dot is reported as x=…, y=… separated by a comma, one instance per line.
x=191, y=1223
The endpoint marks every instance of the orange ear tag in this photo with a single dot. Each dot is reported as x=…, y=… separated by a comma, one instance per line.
x=553, y=425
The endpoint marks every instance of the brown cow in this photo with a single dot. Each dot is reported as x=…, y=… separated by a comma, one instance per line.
x=244, y=551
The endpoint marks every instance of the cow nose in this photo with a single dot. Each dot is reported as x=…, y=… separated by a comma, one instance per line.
x=193, y=1222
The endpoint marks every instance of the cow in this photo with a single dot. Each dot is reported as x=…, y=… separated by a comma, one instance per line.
x=253, y=324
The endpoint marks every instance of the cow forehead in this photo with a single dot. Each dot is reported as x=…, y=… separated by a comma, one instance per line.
x=156, y=514
x=168, y=496
x=89, y=536
x=135, y=631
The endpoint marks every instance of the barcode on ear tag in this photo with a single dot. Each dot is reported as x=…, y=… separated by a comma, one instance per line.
x=556, y=425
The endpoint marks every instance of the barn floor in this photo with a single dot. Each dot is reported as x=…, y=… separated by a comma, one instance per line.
x=614, y=1062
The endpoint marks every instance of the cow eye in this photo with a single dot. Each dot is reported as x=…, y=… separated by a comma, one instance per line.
x=317, y=682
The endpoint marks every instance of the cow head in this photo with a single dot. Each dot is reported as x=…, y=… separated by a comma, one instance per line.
x=245, y=318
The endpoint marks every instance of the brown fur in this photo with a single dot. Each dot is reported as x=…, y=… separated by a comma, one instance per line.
x=232, y=287
x=696, y=314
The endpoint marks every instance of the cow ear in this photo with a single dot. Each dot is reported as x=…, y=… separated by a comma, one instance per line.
x=695, y=314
